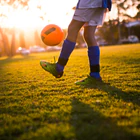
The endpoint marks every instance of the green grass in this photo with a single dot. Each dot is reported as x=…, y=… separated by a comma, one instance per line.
x=36, y=106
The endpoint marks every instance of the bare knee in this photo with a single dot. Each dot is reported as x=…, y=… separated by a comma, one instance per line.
x=73, y=30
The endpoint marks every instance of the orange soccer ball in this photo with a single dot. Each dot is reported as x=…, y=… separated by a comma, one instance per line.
x=52, y=35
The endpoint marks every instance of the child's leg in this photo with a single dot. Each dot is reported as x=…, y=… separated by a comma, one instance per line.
x=93, y=51
x=94, y=57
x=68, y=44
x=66, y=51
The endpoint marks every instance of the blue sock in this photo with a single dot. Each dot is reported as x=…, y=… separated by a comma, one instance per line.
x=94, y=58
x=66, y=51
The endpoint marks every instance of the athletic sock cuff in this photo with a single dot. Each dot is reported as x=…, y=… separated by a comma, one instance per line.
x=70, y=42
x=62, y=61
x=95, y=68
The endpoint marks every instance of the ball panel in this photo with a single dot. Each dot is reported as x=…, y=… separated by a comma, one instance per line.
x=50, y=30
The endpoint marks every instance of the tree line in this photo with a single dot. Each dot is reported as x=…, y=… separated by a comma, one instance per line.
x=112, y=31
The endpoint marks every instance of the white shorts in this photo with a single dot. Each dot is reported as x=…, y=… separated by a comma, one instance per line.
x=91, y=16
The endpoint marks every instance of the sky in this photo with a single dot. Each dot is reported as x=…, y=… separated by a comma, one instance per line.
x=53, y=11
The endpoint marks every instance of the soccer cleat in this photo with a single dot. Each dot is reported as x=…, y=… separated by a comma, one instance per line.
x=51, y=68
x=88, y=81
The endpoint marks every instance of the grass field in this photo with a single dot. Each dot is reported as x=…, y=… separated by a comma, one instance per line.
x=36, y=106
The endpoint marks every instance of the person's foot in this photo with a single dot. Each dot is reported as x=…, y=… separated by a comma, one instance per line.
x=51, y=68
x=88, y=81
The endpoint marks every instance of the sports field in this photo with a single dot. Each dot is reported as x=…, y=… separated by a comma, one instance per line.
x=36, y=106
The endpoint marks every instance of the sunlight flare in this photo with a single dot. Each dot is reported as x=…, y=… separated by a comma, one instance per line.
x=38, y=13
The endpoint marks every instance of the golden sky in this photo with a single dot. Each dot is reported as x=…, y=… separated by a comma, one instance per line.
x=53, y=11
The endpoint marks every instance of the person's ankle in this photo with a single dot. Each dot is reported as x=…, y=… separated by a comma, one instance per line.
x=95, y=75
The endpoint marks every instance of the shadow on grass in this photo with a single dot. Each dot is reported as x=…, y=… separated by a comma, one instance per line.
x=90, y=124
x=117, y=93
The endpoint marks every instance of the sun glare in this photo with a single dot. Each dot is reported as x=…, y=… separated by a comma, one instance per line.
x=39, y=13
x=42, y=12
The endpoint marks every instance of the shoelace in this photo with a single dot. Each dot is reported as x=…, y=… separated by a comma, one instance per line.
x=54, y=59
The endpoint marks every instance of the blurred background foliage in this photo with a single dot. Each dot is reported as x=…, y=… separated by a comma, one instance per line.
x=124, y=28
